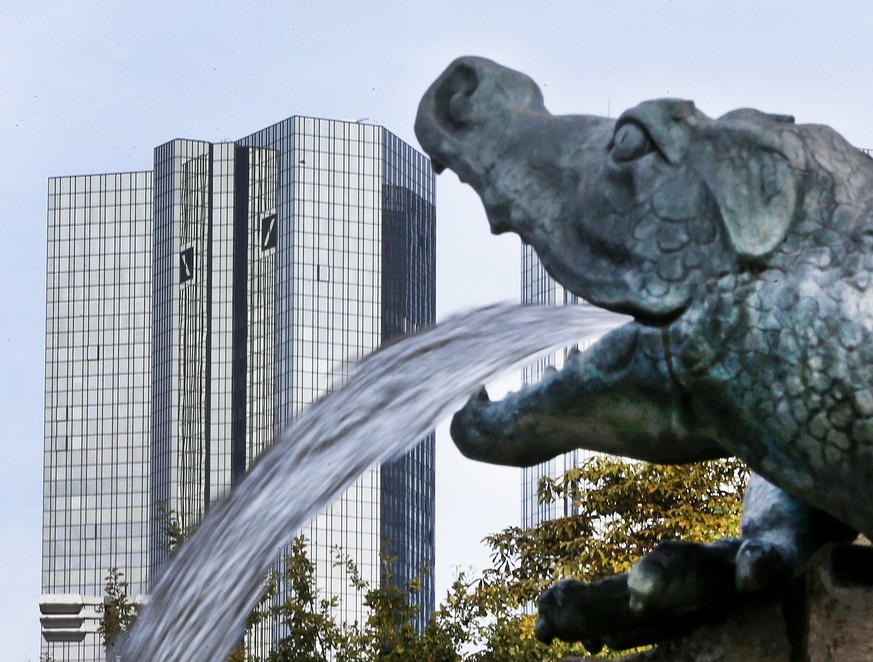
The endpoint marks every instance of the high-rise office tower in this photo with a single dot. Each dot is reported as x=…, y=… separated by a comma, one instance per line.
x=196, y=309
x=96, y=503
x=537, y=287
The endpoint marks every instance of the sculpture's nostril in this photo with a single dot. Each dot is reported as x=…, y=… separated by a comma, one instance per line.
x=466, y=78
x=458, y=106
x=453, y=96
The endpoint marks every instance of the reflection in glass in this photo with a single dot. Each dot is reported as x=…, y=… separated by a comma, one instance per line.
x=194, y=309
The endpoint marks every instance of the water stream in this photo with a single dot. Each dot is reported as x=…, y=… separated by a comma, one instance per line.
x=395, y=397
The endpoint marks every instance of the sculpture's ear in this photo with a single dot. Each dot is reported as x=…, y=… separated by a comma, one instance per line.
x=668, y=122
x=751, y=168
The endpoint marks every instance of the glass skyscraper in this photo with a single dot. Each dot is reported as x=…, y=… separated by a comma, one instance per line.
x=96, y=502
x=537, y=287
x=192, y=312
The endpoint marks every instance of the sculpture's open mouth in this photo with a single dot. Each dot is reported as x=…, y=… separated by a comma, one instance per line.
x=657, y=321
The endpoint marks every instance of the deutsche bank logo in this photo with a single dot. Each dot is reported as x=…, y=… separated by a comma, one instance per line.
x=186, y=265
x=268, y=232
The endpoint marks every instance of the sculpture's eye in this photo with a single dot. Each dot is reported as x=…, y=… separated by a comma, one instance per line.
x=631, y=141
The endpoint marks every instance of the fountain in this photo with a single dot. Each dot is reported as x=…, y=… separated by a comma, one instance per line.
x=377, y=415
x=741, y=246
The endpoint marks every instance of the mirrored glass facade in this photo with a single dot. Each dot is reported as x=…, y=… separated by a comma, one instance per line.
x=97, y=399
x=213, y=333
x=271, y=264
x=356, y=265
x=537, y=287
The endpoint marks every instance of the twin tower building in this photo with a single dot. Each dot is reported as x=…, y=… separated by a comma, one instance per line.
x=193, y=310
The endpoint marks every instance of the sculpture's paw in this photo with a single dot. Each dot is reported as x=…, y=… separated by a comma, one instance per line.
x=598, y=614
x=759, y=566
x=573, y=611
x=680, y=577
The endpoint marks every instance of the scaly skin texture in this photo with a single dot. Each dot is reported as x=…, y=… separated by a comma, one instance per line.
x=742, y=246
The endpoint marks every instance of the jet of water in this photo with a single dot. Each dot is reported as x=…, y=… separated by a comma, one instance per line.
x=397, y=394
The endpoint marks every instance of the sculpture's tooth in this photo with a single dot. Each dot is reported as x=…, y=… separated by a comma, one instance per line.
x=549, y=370
x=573, y=353
x=438, y=167
x=481, y=395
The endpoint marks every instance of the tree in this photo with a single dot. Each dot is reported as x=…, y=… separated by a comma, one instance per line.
x=292, y=600
x=622, y=510
x=119, y=612
x=313, y=632
x=390, y=633
x=485, y=622
x=174, y=534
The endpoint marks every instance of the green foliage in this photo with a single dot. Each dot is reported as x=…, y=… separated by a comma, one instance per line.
x=119, y=612
x=390, y=633
x=482, y=621
x=621, y=510
x=292, y=600
x=174, y=534
x=314, y=633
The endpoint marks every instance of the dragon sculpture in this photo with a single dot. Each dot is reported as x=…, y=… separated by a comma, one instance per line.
x=743, y=248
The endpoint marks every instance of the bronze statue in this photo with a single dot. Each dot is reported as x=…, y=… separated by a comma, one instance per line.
x=743, y=248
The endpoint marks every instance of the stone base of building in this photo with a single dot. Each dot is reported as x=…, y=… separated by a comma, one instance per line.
x=825, y=615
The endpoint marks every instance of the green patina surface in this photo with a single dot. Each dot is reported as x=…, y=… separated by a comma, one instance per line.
x=743, y=248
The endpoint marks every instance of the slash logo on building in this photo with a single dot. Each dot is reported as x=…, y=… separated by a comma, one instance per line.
x=268, y=232
x=186, y=265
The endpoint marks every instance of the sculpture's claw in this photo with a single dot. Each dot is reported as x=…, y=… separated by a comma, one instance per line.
x=481, y=395
x=679, y=577
x=668, y=592
x=759, y=566
x=655, y=583
x=598, y=614
x=549, y=607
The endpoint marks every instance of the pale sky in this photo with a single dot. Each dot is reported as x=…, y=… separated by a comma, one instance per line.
x=93, y=87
